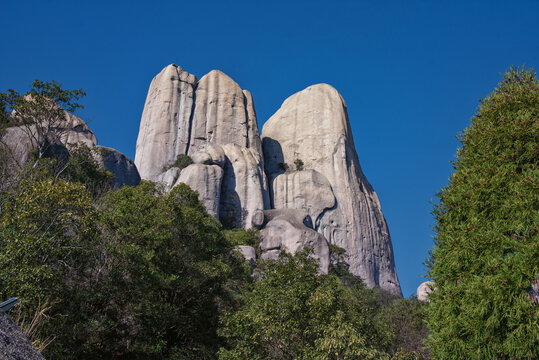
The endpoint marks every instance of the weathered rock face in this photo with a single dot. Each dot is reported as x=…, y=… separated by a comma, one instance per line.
x=19, y=141
x=76, y=131
x=306, y=190
x=223, y=114
x=244, y=186
x=165, y=125
x=291, y=230
x=313, y=126
x=213, y=121
x=17, y=144
x=124, y=169
x=206, y=179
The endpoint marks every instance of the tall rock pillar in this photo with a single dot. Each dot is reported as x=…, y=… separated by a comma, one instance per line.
x=312, y=126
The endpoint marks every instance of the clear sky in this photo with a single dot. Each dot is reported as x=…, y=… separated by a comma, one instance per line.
x=411, y=73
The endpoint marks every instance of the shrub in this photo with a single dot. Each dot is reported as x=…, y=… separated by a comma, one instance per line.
x=182, y=161
x=299, y=164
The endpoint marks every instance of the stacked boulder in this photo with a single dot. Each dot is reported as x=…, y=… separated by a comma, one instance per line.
x=214, y=122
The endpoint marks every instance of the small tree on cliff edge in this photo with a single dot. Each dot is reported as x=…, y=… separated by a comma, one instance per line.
x=486, y=253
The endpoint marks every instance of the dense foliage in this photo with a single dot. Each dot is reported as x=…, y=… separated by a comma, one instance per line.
x=294, y=313
x=47, y=235
x=487, y=243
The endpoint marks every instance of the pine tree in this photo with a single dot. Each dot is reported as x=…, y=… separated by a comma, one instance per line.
x=486, y=253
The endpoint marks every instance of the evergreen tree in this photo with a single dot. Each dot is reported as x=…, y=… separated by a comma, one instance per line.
x=486, y=253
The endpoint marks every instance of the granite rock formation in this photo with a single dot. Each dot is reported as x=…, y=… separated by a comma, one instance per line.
x=19, y=141
x=214, y=122
x=312, y=126
x=206, y=179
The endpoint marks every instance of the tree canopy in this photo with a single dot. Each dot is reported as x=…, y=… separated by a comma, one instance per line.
x=486, y=251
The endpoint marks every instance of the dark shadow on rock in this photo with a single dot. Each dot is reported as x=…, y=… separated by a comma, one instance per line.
x=273, y=163
x=230, y=211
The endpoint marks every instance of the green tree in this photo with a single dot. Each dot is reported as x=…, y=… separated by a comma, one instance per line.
x=82, y=168
x=42, y=114
x=487, y=246
x=405, y=321
x=182, y=161
x=292, y=312
x=47, y=243
x=164, y=277
x=299, y=164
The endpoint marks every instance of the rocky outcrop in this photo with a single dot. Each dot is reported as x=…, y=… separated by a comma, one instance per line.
x=123, y=168
x=291, y=230
x=214, y=122
x=313, y=126
x=19, y=141
x=424, y=290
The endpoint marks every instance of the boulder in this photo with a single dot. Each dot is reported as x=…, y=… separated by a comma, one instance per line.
x=312, y=125
x=248, y=252
x=306, y=190
x=209, y=154
x=124, y=170
x=20, y=140
x=424, y=290
x=74, y=130
x=291, y=230
x=169, y=178
x=206, y=180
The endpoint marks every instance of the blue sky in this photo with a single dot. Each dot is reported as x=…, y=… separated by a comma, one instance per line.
x=411, y=73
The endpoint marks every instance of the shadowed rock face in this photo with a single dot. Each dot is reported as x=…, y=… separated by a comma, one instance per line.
x=124, y=170
x=213, y=121
x=313, y=126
